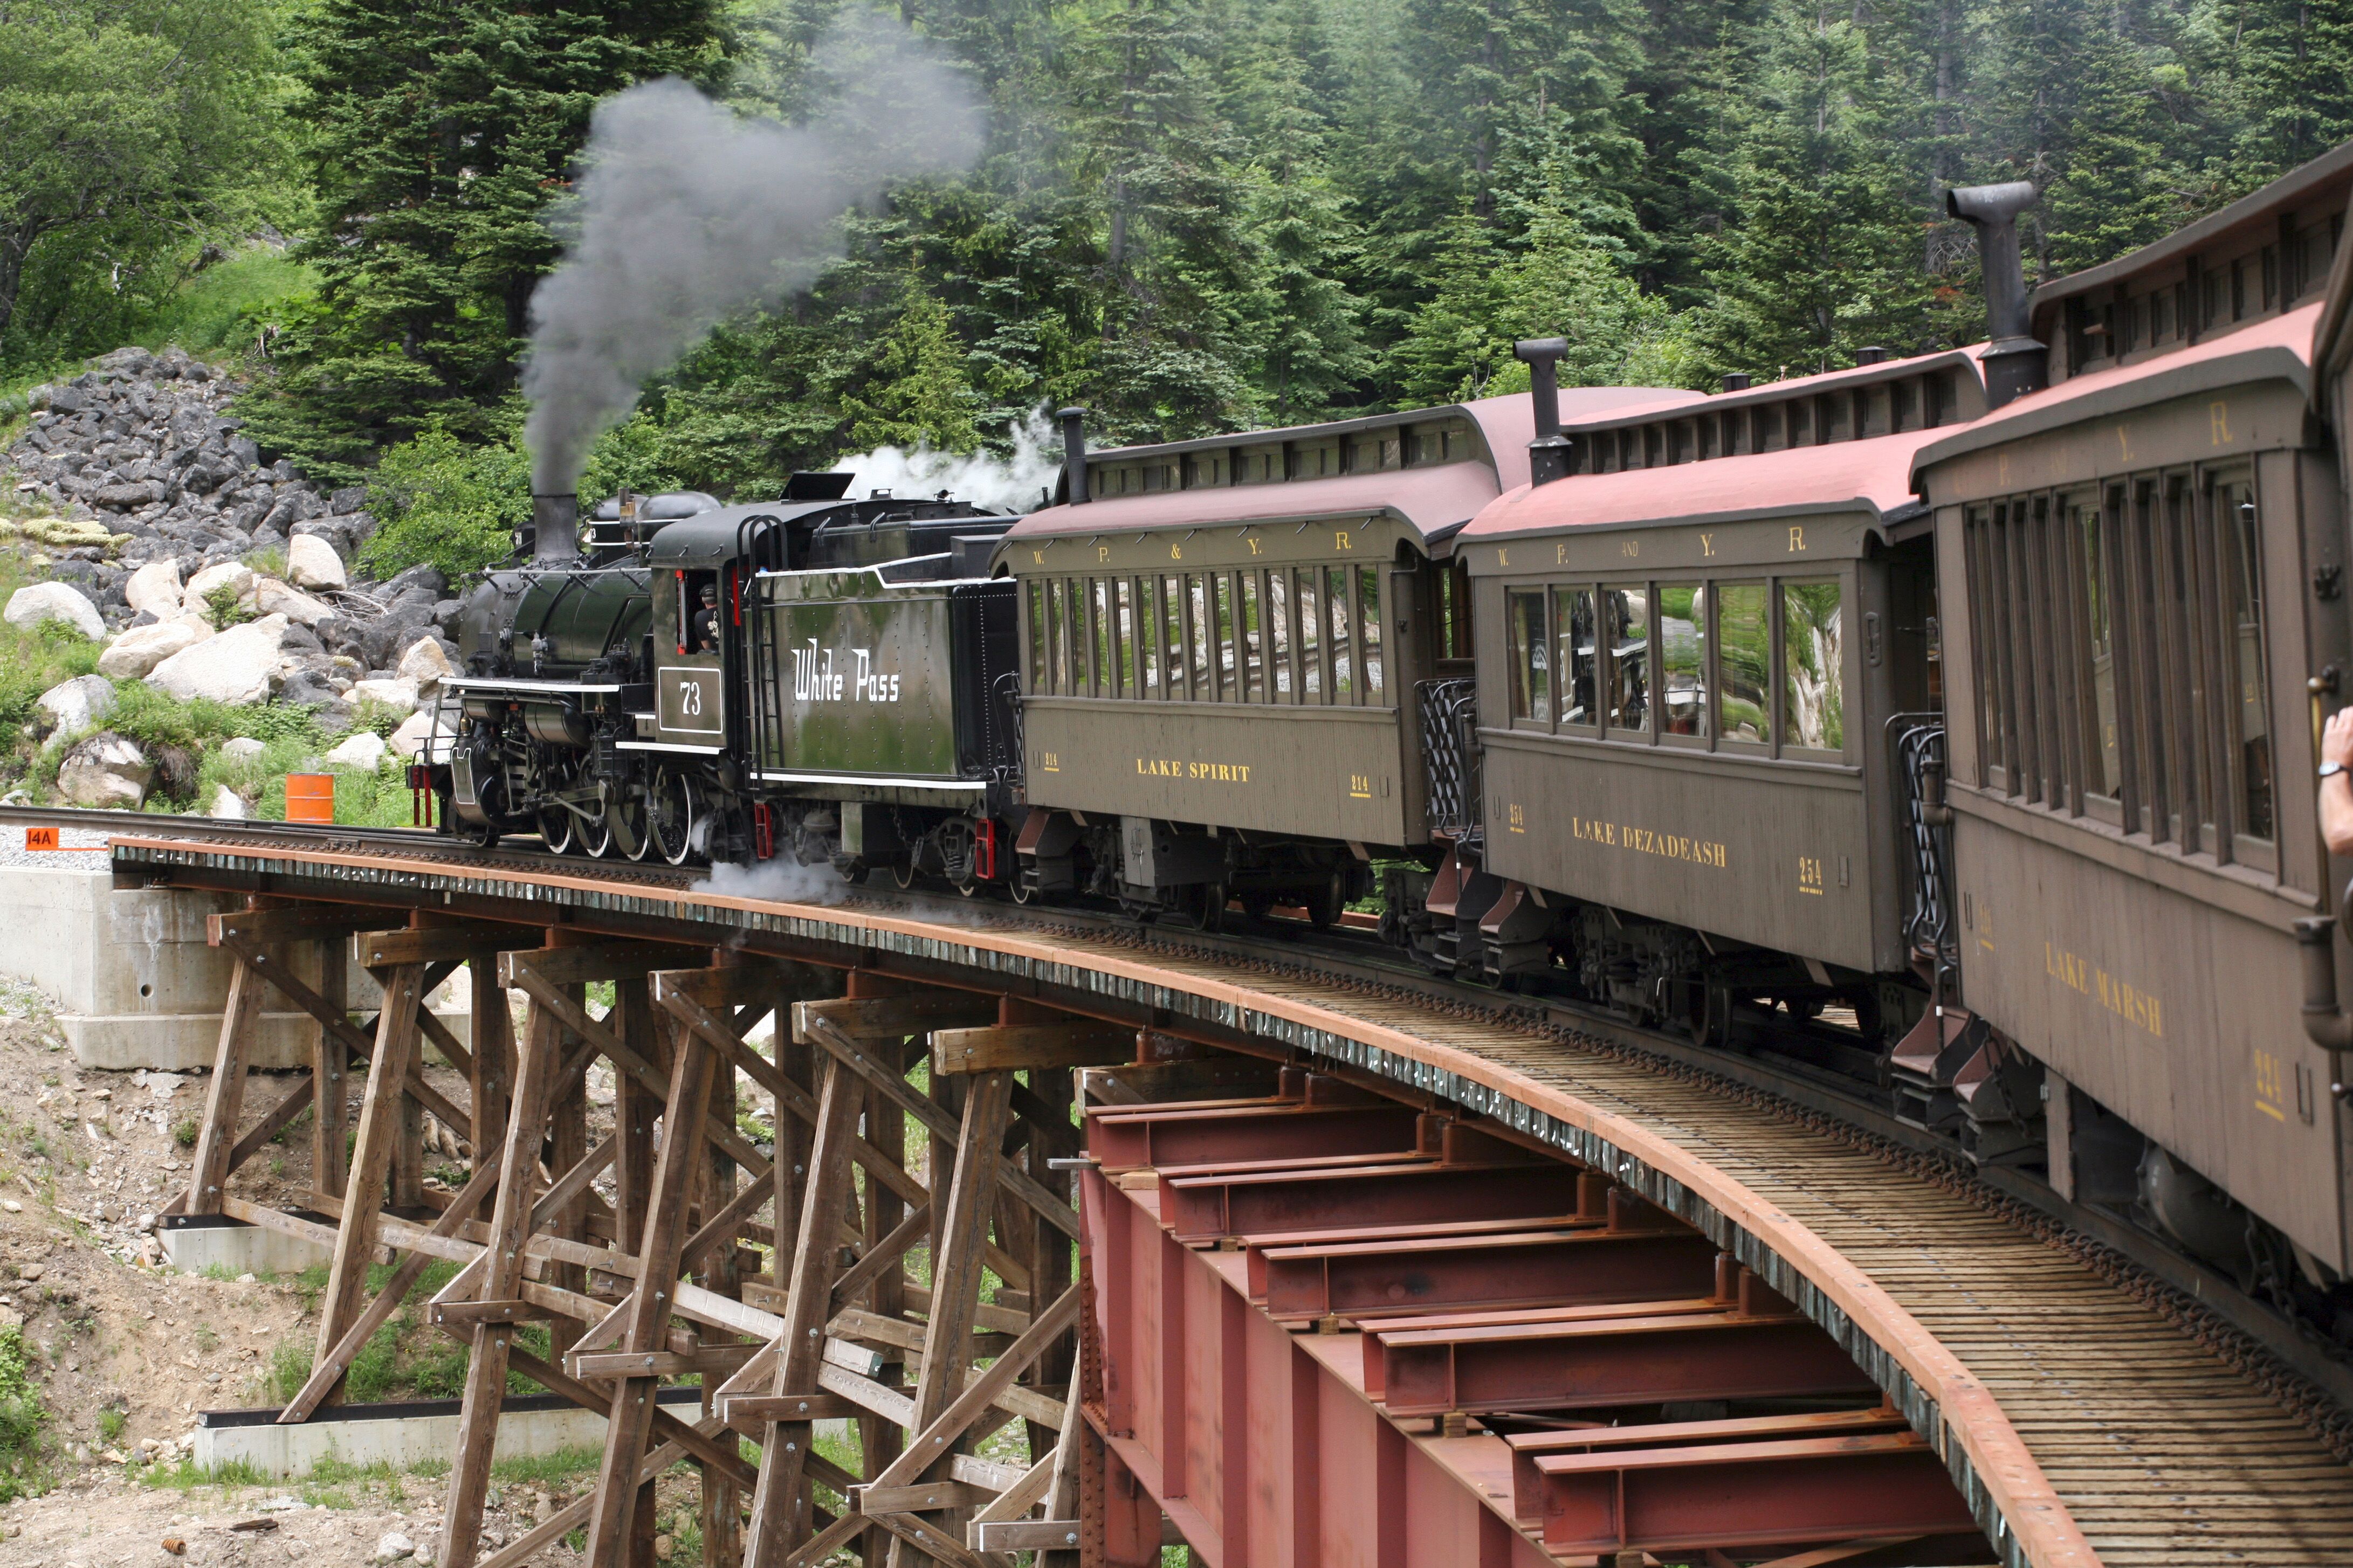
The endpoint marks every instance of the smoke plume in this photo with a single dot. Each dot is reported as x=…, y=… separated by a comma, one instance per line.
x=1010, y=483
x=688, y=212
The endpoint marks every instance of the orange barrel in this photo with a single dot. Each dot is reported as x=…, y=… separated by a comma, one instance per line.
x=310, y=797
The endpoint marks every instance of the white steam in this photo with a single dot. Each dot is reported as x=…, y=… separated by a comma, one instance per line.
x=688, y=213
x=1009, y=483
x=777, y=881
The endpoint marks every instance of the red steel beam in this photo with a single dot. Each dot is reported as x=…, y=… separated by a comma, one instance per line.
x=1528, y=1448
x=1270, y=1449
x=1205, y=1208
x=1748, y=1494
x=1367, y=1279
x=1125, y=1137
x=1624, y=1361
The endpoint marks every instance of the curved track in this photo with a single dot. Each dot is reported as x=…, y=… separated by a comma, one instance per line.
x=2056, y=1379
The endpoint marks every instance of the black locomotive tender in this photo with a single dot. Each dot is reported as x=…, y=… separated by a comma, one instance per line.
x=1944, y=724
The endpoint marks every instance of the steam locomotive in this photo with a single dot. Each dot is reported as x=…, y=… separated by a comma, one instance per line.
x=815, y=676
x=1840, y=717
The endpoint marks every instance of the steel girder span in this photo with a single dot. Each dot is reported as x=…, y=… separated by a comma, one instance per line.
x=1338, y=1333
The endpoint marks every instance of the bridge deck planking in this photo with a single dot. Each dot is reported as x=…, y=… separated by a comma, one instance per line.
x=2152, y=1445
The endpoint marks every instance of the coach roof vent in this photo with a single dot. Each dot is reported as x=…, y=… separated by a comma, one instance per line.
x=1548, y=452
x=2015, y=364
x=1074, y=454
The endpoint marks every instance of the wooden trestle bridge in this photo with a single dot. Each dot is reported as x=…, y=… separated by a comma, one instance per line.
x=1287, y=1270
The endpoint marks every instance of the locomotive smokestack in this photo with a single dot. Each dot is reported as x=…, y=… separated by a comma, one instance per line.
x=554, y=529
x=1074, y=454
x=1548, y=452
x=2015, y=364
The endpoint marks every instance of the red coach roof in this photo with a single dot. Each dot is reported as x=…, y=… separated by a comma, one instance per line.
x=1873, y=472
x=1427, y=498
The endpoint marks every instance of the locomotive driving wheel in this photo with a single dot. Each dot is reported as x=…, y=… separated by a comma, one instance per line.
x=595, y=831
x=672, y=811
x=627, y=829
x=556, y=829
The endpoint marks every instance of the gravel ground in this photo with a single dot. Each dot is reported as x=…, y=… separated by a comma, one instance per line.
x=74, y=852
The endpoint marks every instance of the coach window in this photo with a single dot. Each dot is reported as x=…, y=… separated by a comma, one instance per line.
x=1100, y=632
x=1147, y=638
x=1575, y=654
x=2094, y=614
x=1626, y=609
x=1531, y=678
x=1252, y=631
x=1034, y=598
x=1074, y=628
x=1368, y=630
x=1198, y=635
x=2231, y=505
x=1336, y=600
x=1813, y=667
x=1226, y=691
x=1278, y=635
x=1123, y=660
x=1311, y=640
x=1682, y=659
x=1171, y=597
x=1743, y=660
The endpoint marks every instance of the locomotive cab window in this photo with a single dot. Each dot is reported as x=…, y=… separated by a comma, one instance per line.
x=695, y=612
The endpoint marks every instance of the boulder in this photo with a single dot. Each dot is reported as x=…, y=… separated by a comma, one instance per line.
x=29, y=606
x=77, y=706
x=272, y=598
x=154, y=589
x=424, y=663
x=139, y=650
x=236, y=666
x=311, y=563
x=409, y=739
x=228, y=803
x=399, y=693
x=234, y=575
x=105, y=771
x=362, y=749
x=241, y=747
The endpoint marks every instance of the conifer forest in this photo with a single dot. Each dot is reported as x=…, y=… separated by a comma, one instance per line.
x=1190, y=215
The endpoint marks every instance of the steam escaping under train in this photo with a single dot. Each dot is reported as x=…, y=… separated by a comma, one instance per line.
x=1944, y=725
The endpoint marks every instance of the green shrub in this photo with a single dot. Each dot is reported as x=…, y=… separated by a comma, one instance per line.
x=443, y=500
x=22, y=1417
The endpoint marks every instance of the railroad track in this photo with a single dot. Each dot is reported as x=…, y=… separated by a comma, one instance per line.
x=2176, y=1419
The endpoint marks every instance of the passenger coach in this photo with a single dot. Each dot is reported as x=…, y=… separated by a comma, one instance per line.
x=1221, y=640
x=2144, y=566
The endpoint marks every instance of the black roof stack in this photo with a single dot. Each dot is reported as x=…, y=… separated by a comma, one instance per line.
x=1548, y=454
x=1074, y=454
x=2015, y=364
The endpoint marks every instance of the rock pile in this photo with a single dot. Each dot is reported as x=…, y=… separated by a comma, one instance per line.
x=207, y=573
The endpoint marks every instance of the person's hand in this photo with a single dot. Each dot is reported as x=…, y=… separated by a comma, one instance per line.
x=2337, y=740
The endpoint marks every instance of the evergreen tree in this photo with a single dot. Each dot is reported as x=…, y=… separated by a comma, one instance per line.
x=1824, y=258
x=1299, y=313
x=437, y=133
x=1171, y=360
x=2290, y=66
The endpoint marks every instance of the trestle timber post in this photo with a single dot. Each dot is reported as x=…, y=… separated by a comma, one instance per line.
x=637, y=1242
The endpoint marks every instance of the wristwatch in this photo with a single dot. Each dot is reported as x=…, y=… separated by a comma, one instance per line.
x=2330, y=770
